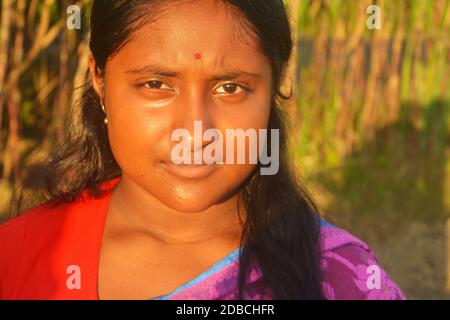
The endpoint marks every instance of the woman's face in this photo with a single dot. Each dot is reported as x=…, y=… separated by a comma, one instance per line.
x=194, y=63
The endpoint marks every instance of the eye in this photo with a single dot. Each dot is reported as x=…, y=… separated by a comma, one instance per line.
x=157, y=85
x=230, y=89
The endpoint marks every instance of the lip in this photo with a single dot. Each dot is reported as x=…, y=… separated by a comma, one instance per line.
x=189, y=171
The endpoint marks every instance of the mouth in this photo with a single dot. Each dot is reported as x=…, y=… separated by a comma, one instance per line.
x=189, y=171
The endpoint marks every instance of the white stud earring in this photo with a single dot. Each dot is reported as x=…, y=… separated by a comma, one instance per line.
x=106, y=119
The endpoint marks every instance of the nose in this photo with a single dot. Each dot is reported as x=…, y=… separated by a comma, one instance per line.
x=194, y=114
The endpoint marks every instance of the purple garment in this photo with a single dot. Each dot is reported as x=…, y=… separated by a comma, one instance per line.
x=350, y=270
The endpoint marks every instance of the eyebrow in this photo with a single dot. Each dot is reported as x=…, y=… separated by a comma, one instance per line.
x=227, y=75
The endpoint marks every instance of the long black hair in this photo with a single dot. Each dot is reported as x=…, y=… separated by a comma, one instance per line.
x=281, y=229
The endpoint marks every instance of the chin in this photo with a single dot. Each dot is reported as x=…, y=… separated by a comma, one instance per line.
x=189, y=205
x=188, y=198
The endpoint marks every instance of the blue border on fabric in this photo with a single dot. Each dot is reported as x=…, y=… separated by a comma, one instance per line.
x=231, y=257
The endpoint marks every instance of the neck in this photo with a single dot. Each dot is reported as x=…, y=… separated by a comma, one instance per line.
x=140, y=211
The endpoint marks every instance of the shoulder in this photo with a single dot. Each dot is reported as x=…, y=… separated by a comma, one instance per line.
x=12, y=232
x=39, y=240
x=38, y=247
x=350, y=269
x=54, y=216
x=12, y=245
x=40, y=221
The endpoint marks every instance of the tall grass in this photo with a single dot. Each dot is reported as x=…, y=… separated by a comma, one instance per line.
x=354, y=82
x=382, y=94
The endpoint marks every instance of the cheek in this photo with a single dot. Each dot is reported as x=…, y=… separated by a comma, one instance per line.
x=136, y=134
x=251, y=117
x=255, y=118
x=260, y=109
x=253, y=113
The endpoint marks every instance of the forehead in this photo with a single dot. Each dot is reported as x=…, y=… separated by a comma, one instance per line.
x=185, y=28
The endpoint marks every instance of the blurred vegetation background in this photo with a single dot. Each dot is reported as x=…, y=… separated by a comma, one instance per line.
x=370, y=116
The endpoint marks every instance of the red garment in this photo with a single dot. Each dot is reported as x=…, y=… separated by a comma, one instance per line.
x=47, y=251
x=41, y=250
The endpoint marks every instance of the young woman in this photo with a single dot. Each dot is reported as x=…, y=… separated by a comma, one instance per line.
x=122, y=220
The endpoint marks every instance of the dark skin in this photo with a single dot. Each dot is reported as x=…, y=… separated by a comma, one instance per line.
x=162, y=230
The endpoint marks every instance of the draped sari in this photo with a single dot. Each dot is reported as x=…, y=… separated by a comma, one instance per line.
x=42, y=250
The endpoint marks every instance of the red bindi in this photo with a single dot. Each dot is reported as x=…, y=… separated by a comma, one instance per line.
x=198, y=56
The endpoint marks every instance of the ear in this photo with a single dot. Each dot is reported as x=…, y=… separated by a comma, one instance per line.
x=286, y=82
x=97, y=78
x=285, y=74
